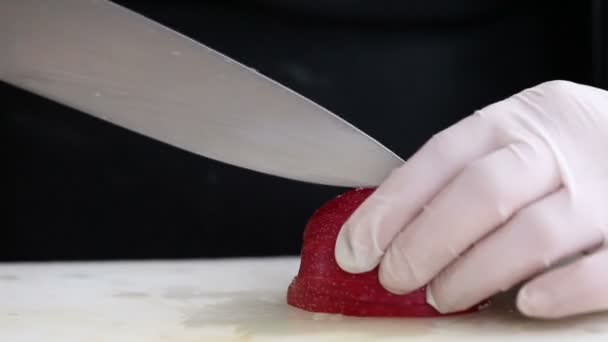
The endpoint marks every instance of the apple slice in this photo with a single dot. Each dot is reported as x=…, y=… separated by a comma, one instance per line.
x=322, y=286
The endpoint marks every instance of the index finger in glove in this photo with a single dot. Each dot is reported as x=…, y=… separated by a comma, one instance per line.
x=369, y=231
x=479, y=200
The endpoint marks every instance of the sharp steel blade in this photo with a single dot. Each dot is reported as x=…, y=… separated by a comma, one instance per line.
x=112, y=63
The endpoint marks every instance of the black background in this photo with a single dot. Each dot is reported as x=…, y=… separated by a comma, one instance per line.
x=399, y=70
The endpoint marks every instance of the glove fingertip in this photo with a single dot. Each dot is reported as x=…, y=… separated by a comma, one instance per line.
x=345, y=254
x=532, y=302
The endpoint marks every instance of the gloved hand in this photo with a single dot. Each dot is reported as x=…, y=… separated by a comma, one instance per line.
x=516, y=192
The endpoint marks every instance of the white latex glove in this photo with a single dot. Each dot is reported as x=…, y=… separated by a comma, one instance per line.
x=499, y=198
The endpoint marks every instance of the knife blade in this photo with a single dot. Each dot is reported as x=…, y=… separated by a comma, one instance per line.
x=119, y=66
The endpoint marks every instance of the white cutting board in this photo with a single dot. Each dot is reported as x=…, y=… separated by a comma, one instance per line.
x=224, y=300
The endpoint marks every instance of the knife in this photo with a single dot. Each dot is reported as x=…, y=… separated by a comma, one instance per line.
x=109, y=62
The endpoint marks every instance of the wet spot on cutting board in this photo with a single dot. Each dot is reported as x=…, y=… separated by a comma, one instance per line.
x=77, y=275
x=254, y=313
x=182, y=293
x=130, y=294
x=186, y=293
x=8, y=277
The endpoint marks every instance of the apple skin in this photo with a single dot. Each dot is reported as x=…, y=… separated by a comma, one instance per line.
x=322, y=286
